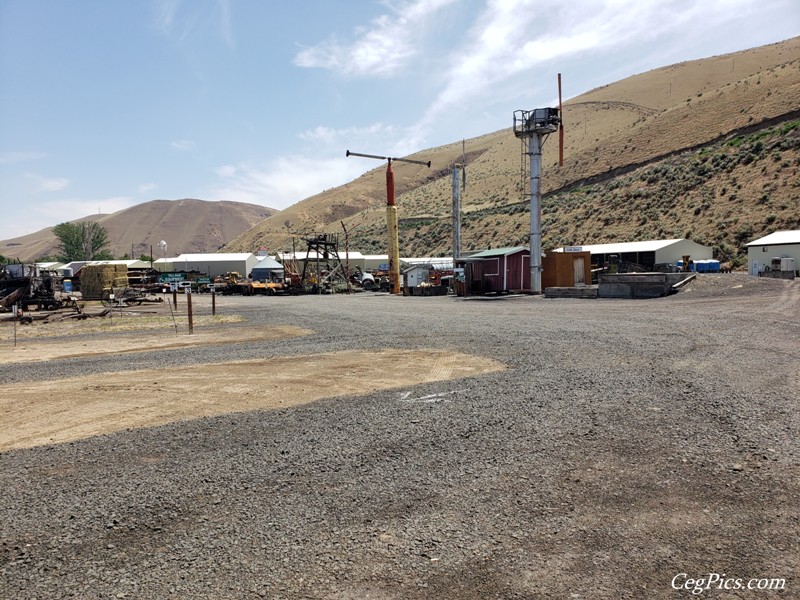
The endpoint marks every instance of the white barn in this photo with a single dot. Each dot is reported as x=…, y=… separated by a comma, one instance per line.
x=211, y=264
x=356, y=258
x=650, y=253
x=781, y=244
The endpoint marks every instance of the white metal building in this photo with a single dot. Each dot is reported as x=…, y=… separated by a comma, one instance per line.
x=356, y=258
x=211, y=264
x=441, y=263
x=131, y=264
x=781, y=244
x=266, y=269
x=415, y=275
x=373, y=262
x=649, y=253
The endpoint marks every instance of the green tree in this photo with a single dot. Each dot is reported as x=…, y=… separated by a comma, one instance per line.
x=3, y=260
x=103, y=255
x=82, y=240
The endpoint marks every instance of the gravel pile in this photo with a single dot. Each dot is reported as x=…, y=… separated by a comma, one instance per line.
x=628, y=442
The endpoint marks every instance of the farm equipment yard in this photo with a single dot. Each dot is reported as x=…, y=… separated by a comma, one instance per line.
x=379, y=446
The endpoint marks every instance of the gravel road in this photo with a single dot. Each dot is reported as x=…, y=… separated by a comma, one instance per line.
x=628, y=442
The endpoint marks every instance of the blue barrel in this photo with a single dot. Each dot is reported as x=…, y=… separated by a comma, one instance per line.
x=67, y=286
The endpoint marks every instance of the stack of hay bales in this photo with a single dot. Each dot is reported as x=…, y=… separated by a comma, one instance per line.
x=97, y=278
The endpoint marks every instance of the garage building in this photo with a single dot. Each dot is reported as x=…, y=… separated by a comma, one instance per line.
x=781, y=244
x=650, y=254
x=211, y=264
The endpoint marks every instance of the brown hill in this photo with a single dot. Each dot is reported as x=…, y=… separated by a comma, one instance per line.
x=613, y=134
x=186, y=225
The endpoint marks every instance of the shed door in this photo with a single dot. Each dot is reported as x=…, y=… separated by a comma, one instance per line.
x=577, y=268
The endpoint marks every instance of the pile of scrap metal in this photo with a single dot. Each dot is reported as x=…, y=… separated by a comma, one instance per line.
x=233, y=283
x=28, y=285
x=128, y=296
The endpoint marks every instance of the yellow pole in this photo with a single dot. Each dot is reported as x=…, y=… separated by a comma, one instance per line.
x=394, y=249
x=391, y=227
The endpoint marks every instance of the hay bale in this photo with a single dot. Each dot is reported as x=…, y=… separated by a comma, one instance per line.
x=96, y=279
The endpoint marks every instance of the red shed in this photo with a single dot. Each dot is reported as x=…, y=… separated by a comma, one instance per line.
x=498, y=270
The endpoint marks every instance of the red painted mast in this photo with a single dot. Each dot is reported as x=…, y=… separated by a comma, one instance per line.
x=391, y=217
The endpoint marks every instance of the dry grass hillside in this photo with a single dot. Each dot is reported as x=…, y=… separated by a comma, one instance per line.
x=186, y=225
x=706, y=149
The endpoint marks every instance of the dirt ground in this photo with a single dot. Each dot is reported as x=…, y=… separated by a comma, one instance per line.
x=47, y=412
x=401, y=447
x=30, y=349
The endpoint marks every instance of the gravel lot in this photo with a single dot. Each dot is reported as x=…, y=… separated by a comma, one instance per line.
x=627, y=442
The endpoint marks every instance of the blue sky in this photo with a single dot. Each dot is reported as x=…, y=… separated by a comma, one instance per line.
x=106, y=104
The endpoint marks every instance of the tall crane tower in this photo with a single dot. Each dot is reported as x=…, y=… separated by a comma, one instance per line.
x=535, y=125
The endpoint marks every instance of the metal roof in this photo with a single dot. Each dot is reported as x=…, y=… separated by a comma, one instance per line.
x=131, y=264
x=615, y=248
x=213, y=257
x=268, y=263
x=443, y=263
x=778, y=238
x=498, y=252
x=312, y=255
x=426, y=260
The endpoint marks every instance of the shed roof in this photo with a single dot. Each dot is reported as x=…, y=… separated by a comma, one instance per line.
x=420, y=266
x=441, y=263
x=619, y=247
x=268, y=263
x=498, y=252
x=213, y=257
x=75, y=265
x=131, y=264
x=312, y=255
x=778, y=238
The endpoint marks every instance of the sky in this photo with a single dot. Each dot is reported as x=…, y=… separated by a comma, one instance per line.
x=104, y=105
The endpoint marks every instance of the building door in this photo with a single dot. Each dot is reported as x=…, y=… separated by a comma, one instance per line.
x=577, y=270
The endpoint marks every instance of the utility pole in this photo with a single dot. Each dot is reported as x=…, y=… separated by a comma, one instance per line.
x=347, y=257
x=391, y=216
x=459, y=184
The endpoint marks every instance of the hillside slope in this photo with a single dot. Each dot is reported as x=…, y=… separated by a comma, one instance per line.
x=612, y=132
x=186, y=225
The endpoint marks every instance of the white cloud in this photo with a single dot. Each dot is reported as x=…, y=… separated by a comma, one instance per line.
x=283, y=181
x=75, y=208
x=331, y=136
x=52, y=212
x=378, y=50
x=514, y=42
x=48, y=184
x=146, y=188
x=226, y=30
x=199, y=18
x=8, y=158
x=225, y=171
x=165, y=14
x=182, y=145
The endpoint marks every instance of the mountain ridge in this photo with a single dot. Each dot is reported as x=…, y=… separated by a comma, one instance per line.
x=188, y=225
x=612, y=131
